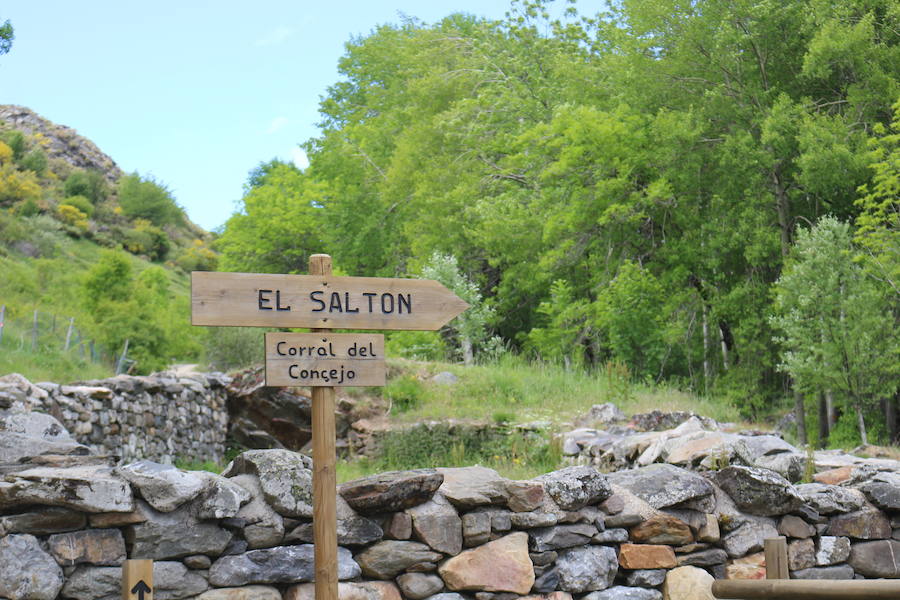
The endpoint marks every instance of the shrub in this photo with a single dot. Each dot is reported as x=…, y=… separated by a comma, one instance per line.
x=16, y=186
x=147, y=239
x=6, y=153
x=81, y=203
x=35, y=160
x=16, y=141
x=197, y=257
x=70, y=215
x=89, y=184
x=229, y=348
x=146, y=199
x=405, y=393
x=27, y=208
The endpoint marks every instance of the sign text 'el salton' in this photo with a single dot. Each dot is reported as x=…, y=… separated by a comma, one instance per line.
x=267, y=300
x=324, y=359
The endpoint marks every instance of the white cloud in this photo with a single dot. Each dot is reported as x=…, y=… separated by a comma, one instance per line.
x=275, y=37
x=277, y=124
x=299, y=158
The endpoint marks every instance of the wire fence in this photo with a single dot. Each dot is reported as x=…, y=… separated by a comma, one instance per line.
x=42, y=332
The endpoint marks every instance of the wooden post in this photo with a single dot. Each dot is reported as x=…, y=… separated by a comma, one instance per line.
x=34, y=331
x=69, y=334
x=324, y=479
x=802, y=589
x=776, y=558
x=137, y=580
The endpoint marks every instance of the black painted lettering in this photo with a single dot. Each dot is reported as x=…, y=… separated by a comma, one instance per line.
x=335, y=305
x=263, y=300
x=312, y=296
x=404, y=299
x=278, y=305
x=291, y=372
x=278, y=349
x=387, y=307
x=347, y=304
x=370, y=296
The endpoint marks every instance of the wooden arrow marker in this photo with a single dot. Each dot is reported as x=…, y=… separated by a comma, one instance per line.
x=137, y=580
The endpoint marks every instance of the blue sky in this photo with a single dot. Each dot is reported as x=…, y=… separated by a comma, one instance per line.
x=195, y=93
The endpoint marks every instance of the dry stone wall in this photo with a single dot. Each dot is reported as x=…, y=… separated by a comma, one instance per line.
x=162, y=417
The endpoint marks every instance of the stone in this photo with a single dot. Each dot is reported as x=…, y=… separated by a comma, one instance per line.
x=663, y=485
x=749, y=537
x=118, y=519
x=524, y=496
x=32, y=424
x=284, y=476
x=561, y=536
x=530, y=520
x=164, y=487
x=662, y=529
x=795, y=527
x=16, y=447
x=171, y=581
x=87, y=489
x=704, y=558
x=249, y=592
x=621, y=592
x=221, y=499
x=365, y=590
x=884, y=491
x=392, y=491
x=437, y=523
x=469, y=487
x=646, y=556
x=387, y=558
x=611, y=536
x=831, y=550
x=837, y=572
x=801, y=554
x=709, y=530
x=26, y=571
x=547, y=582
x=445, y=378
x=282, y=564
x=624, y=520
x=422, y=567
x=830, y=499
x=263, y=527
x=649, y=578
x=542, y=559
x=499, y=566
x=866, y=524
x=575, y=487
x=745, y=570
x=197, y=561
x=91, y=546
x=586, y=569
x=688, y=583
x=417, y=586
x=174, y=535
x=43, y=521
x=879, y=559
x=834, y=476
x=398, y=526
x=759, y=491
x=476, y=529
x=355, y=531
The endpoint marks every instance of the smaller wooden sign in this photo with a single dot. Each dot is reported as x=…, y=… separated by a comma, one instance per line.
x=324, y=359
x=137, y=580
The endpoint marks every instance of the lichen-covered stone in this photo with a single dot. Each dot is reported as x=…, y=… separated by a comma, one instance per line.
x=391, y=491
x=282, y=564
x=574, y=487
x=26, y=571
x=759, y=491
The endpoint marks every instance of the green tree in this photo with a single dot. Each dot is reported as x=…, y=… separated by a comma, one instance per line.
x=145, y=198
x=7, y=35
x=837, y=331
x=89, y=184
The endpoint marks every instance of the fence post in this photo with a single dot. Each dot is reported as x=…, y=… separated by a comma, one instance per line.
x=34, y=331
x=2, y=319
x=776, y=558
x=69, y=333
x=121, y=363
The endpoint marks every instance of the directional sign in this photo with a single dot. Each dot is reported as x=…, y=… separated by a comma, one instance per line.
x=324, y=359
x=320, y=301
x=137, y=579
x=141, y=588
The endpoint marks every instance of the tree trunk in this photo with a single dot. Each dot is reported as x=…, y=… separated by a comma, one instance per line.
x=468, y=354
x=862, y=426
x=800, y=415
x=706, y=370
x=824, y=424
x=832, y=414
x=890, y=418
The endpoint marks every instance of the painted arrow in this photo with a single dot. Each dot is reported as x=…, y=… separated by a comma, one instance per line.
x=320, y=301
x=141, y=588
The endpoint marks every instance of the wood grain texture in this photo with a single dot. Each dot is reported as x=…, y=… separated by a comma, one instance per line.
x=325, y=359
x=800, y=589
x=776, y=558
x=320, y=301
x=134, y=571
x=324, y=477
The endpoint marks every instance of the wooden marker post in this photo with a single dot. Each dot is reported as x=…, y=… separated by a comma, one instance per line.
x=324, y=478
x=137, y=580
x=776, y=558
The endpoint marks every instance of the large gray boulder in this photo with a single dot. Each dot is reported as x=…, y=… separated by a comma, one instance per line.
x=884, y=491
x=749, y=537
x=44, y=521
x=387, y=558
x=830, y=499
x=164, y=487
x=282, y=564
x=221, y=499
x=573, y=488
x=879, y=559
x=352, y=529
x=759, y=491
x=90, y=546
x=175, y=534
x=26, y=571
x=285, y=478
x=91, y=489
x=586, y=569
x=263, y=527
x=391, y=491
x=663, y=485
x=437, y=524
x=468, y=487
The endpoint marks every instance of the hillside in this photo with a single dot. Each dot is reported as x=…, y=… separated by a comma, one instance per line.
x=91, y=257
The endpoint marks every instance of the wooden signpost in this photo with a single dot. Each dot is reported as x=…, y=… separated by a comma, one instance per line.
x=322, y=360
x=137, y=580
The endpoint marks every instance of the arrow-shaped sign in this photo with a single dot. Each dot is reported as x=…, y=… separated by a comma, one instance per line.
x=265, y=300
x=141, y=588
